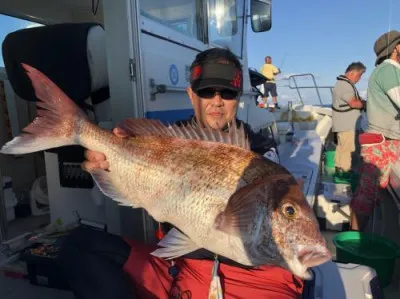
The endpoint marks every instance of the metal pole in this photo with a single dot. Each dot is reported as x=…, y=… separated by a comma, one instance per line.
x=298, y=91
x=3, y=213
x=316, y=88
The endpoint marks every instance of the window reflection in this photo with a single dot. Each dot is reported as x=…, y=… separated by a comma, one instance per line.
x=225, y=19
x=180, y=15
x=10, y=24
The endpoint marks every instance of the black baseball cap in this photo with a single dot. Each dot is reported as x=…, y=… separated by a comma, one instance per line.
x=216, y=74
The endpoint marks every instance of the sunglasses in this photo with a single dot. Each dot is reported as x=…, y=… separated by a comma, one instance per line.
x=209, y=93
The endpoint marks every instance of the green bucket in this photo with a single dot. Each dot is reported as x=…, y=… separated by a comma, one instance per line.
x=370, y=250
x=330, y=159
x=347, y=178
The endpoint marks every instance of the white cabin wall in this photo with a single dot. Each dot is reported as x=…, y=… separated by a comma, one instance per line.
x=41, y=11
x=50, y=12
x=118, y=31
x=86, y=15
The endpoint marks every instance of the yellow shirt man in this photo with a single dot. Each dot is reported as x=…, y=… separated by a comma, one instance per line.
x=269, y=71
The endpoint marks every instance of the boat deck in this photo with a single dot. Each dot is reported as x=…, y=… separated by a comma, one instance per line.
x=17, y=288
x=386, y=225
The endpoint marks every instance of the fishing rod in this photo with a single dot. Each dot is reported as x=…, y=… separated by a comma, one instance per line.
x=283, y=61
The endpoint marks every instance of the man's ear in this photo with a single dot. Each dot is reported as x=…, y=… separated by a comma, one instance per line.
x=194, y=99
x=190, y=94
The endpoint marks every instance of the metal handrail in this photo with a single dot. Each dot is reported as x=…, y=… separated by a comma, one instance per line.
x=316, y=87
x=162, y=88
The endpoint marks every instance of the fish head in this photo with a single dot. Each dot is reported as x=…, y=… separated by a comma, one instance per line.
x=295, y=229
x=276, y=225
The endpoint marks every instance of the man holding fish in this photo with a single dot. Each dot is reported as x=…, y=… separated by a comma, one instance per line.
x=242, y=227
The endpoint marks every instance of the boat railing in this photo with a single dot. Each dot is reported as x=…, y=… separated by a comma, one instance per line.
x=293, y=84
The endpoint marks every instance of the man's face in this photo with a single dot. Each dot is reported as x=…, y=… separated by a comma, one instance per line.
x=214, y=107
x=268, y=60
x=396, y=52
x=357, y=76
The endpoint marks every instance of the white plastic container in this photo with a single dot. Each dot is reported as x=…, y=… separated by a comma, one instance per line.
x=39, y=195
x=336, y=192
x=324, y=127
x=9, y=198
x=305, y=125
x=343, y=281
x=283, y=127
x=333, y=206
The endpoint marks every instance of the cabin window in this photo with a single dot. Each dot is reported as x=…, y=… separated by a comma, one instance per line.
x=10, y=24
x=225, y=24
x=180, y=15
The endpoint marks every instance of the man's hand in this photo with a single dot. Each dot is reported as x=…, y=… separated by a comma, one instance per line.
x=355, y=103
x=364, y=103
x=97, y=160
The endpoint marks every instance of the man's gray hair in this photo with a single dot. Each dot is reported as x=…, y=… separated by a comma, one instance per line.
x=356, y=66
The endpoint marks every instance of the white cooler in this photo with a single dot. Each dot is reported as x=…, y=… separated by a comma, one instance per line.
x=333, y=206
x=343, y=281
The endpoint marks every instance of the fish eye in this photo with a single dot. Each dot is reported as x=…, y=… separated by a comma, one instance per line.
x=289, y=211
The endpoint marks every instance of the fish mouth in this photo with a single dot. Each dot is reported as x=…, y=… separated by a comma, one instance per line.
x=311, y=256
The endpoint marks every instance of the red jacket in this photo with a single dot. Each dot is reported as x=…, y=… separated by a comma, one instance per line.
x=151, y=279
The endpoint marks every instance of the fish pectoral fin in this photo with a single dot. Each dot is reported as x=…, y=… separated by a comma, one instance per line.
x=245, y=204
x=104, y=181
x=175, y=244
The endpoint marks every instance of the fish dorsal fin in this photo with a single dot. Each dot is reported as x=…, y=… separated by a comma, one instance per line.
x=151, y=127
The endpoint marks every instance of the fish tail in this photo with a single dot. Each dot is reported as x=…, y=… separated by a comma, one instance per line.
x=58, y=123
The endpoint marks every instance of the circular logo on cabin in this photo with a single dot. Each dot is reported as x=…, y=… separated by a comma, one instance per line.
x=173, y=74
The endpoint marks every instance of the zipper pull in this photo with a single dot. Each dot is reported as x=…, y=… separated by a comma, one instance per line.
x=215, y=291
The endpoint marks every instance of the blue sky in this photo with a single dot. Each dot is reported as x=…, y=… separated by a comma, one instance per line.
x=323, y=37
x=9, y=24
x=309, y=36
